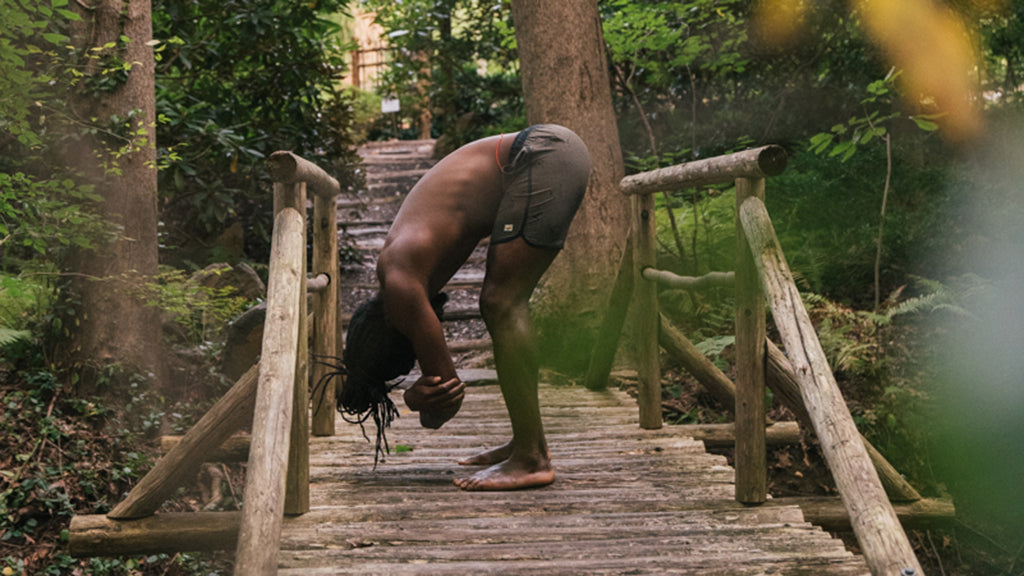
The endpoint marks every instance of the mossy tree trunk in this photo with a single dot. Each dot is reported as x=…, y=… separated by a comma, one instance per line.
x=115, y=101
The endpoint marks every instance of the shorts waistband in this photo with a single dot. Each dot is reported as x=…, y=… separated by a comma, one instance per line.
x=517, y=144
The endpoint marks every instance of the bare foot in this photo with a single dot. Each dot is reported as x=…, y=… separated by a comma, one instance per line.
x=509, y=475
x=489, y=457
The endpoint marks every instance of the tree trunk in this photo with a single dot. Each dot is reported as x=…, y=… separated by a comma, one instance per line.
x=113, y=326
x=565, y=81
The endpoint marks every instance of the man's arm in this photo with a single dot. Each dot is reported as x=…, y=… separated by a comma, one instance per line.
x=438, y=394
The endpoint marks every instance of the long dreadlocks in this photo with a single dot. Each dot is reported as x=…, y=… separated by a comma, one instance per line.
x=377, y=357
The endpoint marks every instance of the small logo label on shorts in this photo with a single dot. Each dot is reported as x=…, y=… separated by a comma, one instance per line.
x=509, y=227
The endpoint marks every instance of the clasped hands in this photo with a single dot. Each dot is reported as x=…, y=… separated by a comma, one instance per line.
x=436, y=401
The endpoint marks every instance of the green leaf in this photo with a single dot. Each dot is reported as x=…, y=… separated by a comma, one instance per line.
x=925, y=124
x=72, y=16
x=57, y=39
x=846, y=148
x=819, y=142
x=9, y=336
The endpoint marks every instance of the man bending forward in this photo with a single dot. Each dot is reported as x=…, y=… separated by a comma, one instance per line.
x=522, y=190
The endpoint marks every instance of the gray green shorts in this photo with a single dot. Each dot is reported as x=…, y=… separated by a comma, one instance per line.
x=544, y=186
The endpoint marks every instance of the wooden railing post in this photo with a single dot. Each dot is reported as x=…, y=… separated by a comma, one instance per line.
x=297, y=486
x=263, y=512
x=646, y=308
x=886, y=547
x=287, y=168
x=325, y=310
x=603, y=356
x=751, y=460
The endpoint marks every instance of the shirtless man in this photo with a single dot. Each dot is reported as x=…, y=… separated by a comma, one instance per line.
x=522, y=190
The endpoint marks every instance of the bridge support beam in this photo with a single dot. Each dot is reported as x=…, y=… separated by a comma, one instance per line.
x=99, y=535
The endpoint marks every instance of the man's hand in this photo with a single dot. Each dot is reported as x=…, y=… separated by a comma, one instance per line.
x=436, y=402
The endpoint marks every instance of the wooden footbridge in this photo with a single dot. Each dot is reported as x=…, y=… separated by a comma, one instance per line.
x=630, y=497
x=626, y=501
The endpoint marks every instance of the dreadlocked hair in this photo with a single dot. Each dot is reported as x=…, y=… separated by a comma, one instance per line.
x=358, y=406
x=377, y=357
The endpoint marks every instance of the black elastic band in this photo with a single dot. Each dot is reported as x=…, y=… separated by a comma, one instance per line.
x=517, y=144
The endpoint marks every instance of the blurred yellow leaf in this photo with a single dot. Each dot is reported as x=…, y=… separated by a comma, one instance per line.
x=925, y=39
x=930, y=43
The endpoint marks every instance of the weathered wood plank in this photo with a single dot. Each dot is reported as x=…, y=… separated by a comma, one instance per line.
x=626, y=501
x=698, y=566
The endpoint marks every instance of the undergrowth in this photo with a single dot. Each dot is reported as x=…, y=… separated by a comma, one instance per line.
x=61, y=456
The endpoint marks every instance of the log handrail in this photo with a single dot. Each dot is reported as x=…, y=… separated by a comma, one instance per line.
x=694, y=283
x=808, y=385
x=259, y=534
x=277, y=478
x=272, y=395
x=885, y=546
x=754, y=163
x=287, y=168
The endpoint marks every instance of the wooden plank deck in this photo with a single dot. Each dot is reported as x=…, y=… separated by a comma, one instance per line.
x=626, y=501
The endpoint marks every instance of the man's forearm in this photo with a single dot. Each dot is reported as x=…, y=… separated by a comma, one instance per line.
x=408, y=308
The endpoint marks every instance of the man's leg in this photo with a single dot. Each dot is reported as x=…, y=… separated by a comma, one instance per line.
x=513, y=270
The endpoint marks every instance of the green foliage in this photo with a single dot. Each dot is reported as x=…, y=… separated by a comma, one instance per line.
x=21, y=300
x=202, y=312
x=27, y=38
x=43, y=211
x=882, y=364
x=660, y=39
x=235, y=82
x=704, y=220
x=879, y=109
x=825, y=213
x=457, y=59
x=51, y=216
x=365, y=112
x=1002, y=32
x=702, y=83
x=64, y=457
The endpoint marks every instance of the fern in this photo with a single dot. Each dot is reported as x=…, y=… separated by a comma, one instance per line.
x=9, y=336
x=940, y=297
